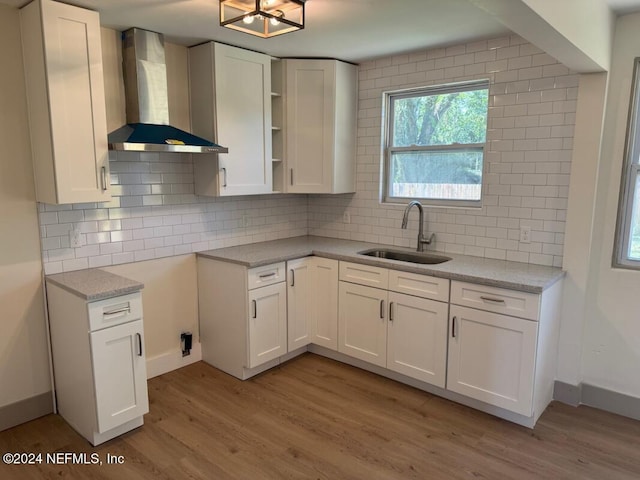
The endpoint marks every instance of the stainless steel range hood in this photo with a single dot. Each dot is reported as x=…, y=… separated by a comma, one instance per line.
x=147, y=103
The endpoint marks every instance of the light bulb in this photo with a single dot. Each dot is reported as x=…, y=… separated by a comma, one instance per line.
x=275, y=22
x=248, y=19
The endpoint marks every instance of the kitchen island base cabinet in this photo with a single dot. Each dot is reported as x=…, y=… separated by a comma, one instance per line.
x=99, y=362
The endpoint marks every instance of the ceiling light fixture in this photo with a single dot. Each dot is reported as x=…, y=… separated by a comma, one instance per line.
x=263, y=18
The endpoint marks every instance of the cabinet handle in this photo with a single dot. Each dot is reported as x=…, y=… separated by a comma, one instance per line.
x=494, y=300
x=103, y=174
x=224, y=173
x=255, y=308
x=293, y=277
x=267, y=275
x=391, y=311
x=381, y=308
x=117, y=312
x=453, y=327
x=291, y=179
x=139, y=344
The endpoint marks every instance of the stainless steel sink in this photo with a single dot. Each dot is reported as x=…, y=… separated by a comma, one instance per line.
x=422, y=258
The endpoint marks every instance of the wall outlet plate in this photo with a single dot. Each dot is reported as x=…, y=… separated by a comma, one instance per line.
x=525, y=234
x=76, y=239
x=245, y=220
x=346, y=217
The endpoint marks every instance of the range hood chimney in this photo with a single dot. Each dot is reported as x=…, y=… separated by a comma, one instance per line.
x=147, y=103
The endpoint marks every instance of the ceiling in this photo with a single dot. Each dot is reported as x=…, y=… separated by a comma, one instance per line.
x=352, y=30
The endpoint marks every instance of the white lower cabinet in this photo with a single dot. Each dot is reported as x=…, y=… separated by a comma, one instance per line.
x=312, y=299
x=492, y=358
x=417, y=338
x=267, y=324
x=490, y=348
x=99, y=362
x=403, y=333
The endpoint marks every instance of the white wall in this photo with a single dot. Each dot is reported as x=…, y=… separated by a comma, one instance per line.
x=611, y=348
x=24, y=363
x=528, y=154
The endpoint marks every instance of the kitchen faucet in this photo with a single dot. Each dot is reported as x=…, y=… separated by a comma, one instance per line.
x=405, y=219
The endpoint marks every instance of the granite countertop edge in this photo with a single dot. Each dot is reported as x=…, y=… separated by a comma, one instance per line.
x=496, y=273
x=94, y=284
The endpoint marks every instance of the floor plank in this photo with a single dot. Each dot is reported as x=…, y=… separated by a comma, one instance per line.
x=318, y=419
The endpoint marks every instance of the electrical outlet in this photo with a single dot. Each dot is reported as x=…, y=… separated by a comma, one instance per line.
x=76, y=239
x=245, y=220
x=346, y=217
x=525, y=234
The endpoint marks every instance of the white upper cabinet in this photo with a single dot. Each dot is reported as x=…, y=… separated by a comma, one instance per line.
x=321, y=110
x=66, y=102
x=230, y=90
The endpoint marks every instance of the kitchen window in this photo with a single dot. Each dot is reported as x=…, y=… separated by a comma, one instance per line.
x=434, y=144
x=628, y=230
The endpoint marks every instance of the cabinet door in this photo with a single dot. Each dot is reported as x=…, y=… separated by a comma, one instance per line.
x=267, y=324
x=243, y=120
x=67, y=115
x=310, y=99
x=324, y=313
x=300, y=292
x=492, y=358
x=417, y=338
x=120, y=374
x=362, y=325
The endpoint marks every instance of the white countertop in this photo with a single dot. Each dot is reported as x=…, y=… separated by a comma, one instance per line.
x=497, y=273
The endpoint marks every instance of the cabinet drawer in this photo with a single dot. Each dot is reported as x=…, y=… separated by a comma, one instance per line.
x=493, y=299
x=267, y=275
x=419, y=285
x=114, y=311
x=364, y=275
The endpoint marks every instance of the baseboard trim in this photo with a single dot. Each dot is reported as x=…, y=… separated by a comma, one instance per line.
x=26, y=410
x=172, y=360
x=567, y=393
x=597, y=397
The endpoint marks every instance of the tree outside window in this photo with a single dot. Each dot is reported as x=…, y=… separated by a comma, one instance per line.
x=435, y=143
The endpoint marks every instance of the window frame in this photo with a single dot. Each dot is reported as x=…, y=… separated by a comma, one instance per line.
x=389, y=98
x=630, y=174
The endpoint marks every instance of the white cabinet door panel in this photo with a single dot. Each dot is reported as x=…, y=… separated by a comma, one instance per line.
x=417, y=338
x=299, y=298
x=120, y=374
x=362, y=325
x=492, y=358
x=324, y=315
x=267, y=324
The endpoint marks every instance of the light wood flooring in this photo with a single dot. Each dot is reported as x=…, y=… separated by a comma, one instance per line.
x=313, y=418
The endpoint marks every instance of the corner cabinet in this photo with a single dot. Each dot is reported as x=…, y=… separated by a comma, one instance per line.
x=66, y=102
x=321, y=110
x=312, y=298
x=98, y=362
x=230, y=91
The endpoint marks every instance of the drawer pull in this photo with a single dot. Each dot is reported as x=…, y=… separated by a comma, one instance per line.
x=255, y=308
x=293, y=277
x=139, y=344
x=267, y=275
x=381, y=308
x=391, y=311
x=453, y=327
x=117, y=312
x=494, y=300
